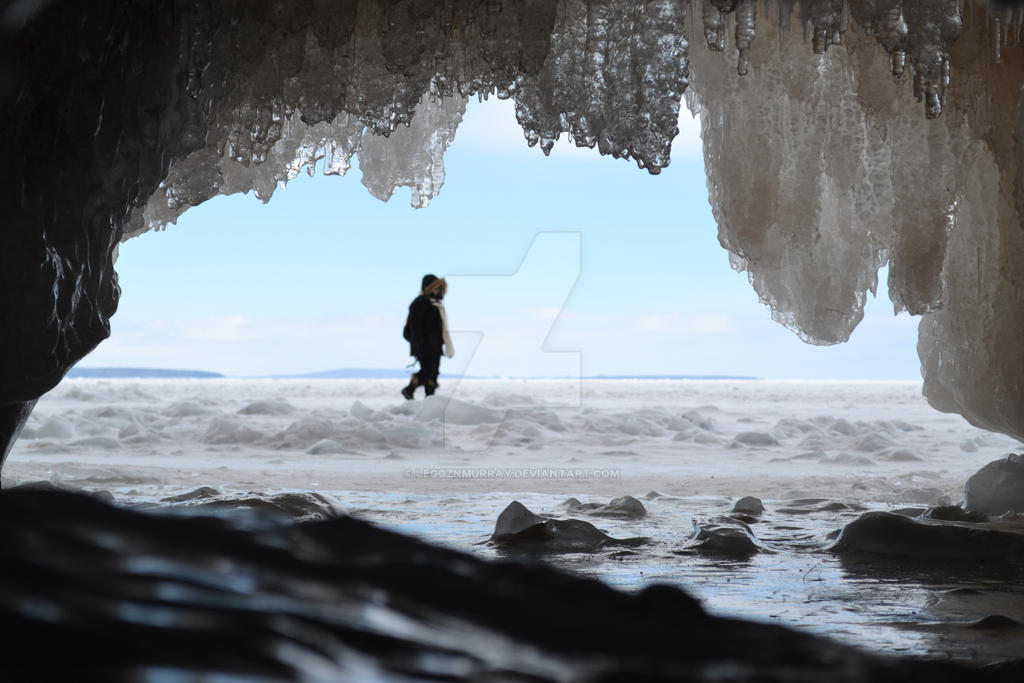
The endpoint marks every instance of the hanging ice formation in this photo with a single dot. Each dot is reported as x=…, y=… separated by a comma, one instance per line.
x=839, y=135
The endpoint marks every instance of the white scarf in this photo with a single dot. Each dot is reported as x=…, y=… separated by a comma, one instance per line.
x=449, y=348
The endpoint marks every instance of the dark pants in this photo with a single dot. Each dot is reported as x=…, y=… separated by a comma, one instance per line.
x=429, y=368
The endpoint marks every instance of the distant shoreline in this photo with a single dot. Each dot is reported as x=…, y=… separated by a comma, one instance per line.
x=354, y=373
x=403, y=375
x=140, y=373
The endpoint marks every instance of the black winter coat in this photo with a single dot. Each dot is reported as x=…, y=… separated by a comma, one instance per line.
x=427, y=338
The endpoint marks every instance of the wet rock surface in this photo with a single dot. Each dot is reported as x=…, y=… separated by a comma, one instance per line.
x=996, y=488
x=927, y=540
x=748, y=505
x=249, y=596
x=626, y=507
x=515, y=518
x=520, y=529
x=724, y=535
x=952, y=513
x=294, y=505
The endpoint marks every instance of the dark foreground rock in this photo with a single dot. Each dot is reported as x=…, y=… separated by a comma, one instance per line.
x=89, y=591
x=997, y=487
x=894, y=535
x=520, y=529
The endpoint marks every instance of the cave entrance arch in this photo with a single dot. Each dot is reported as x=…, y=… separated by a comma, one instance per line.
x=197, y=86
x=339, y=256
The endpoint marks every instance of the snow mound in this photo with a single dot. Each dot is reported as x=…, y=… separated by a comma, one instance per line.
x=186, y=409
x=457, y=412
x=55, y=428
x=303, y=433
x=326, y=447
x=360, y=411
x=268, y=407
x=99, y=442
x=757, y=439
x=409, y=436
x=229, y=430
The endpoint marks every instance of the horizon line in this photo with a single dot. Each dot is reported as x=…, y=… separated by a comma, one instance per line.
x=126, y=372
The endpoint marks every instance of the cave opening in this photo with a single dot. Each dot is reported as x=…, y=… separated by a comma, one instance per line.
x=322, y=260
x=874, y=460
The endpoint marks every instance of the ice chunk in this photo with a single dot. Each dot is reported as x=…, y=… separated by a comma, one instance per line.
x=229, y=430
x=326, y=447
x=360, y=411
x=268, y=407
x=409, y=436
x=761, y=439
x=56, y=428
x=100, y=442
x=186, y=409
x=457, y=412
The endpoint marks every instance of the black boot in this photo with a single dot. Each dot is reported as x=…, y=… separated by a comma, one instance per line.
x=411, y=388
x=430, y=387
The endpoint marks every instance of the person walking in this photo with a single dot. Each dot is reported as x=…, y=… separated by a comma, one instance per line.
x=426, y=330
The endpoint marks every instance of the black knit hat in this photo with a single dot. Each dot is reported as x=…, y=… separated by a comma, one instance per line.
x=427, y=280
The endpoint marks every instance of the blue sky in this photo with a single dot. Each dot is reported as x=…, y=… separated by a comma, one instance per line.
x=559, y=263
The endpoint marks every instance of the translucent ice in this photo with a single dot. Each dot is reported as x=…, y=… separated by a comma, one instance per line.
x=822, y=169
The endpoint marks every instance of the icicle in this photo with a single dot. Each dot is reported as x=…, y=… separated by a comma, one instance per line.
x=785, y=15
x=746, y=26
x=884, y=20
x=898, y=62
x=823, y=21
x=715, y=20
x=1016, y=21
x=932, y=28
x=997, y=39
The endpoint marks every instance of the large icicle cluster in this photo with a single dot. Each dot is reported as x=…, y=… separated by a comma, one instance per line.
x=821, y=170
x=840, y=135
x=389, y=81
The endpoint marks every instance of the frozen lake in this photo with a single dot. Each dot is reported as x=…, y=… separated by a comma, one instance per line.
x=817, y=453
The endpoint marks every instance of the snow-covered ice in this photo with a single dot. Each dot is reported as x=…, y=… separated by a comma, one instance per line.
x=876, y=441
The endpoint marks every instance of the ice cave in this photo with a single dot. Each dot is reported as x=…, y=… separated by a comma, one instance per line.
x=839, y=136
